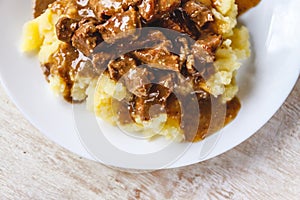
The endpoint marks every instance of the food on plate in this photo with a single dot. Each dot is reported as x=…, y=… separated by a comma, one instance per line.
x=146, y=79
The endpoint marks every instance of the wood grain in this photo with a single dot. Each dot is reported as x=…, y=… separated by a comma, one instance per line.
x=264, y=167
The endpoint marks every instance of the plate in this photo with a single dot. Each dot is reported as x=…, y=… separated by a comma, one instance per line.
x=265, y=81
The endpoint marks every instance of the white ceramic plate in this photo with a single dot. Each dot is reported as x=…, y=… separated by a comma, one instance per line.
x=265, y=82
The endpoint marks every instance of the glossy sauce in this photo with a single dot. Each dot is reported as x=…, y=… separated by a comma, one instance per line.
x=245, y=5
x=40, y=6
x=81, y=6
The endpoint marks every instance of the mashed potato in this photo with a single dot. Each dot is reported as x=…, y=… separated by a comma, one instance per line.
x=39, y=36
x=234, y=49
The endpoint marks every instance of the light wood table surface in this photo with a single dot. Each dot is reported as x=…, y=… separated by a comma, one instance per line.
x=267, y=166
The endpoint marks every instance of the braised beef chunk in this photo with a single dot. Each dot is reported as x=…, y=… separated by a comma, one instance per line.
x=87, y=36
x=201, y=53
x=148, y=9
x=159, y=58
x=188, y=26
x=199, y=62
x=207, y=3
x=132, y=3
x=150, y=106
x=108, y=8
x=167, y=6
x=40, y=6
x=120, y=26
x=198, y=12
x=199, y=79
x=87, y=69
x=210, y=42
x=65, y=28
x=119, y=67
x=149, y=39
x=137, y=79
x=154, y=38
x=168, y=81
x=100, y=61
x=183, y=45
x=151, y=10
x=140, y=109
x=179, y=21
x=172, y=24
x=146, y=39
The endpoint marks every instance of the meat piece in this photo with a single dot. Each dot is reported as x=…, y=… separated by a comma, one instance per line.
x=120, y=26
x=151, y=10
x=159, y=58
x=200, y=62
x=119, y=67
x=182, y=43
x=136, y=81
x=167, y=6
x=153, y=38
x=168, y=81
x=147, y=39
x=198, y=12
x=172, y=24
x=190, y=63
x=132, y=3
x=152, y=105
x=65, y=28
x=158, y=94
x=210, y=42
x=87, y=36
x=148, y=9
x=199, y=82
x=208, y=3
x=203, y=49
x=179, y=21
x=107, y=8
x=87, y=69
x=141, y=109
x=40, y=6
x=100, y=61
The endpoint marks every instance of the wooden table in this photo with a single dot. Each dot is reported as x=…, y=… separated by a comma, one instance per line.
x=267, y=166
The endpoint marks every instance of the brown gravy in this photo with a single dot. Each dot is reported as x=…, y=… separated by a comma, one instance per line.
x=40, y=6
x=245, y=5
